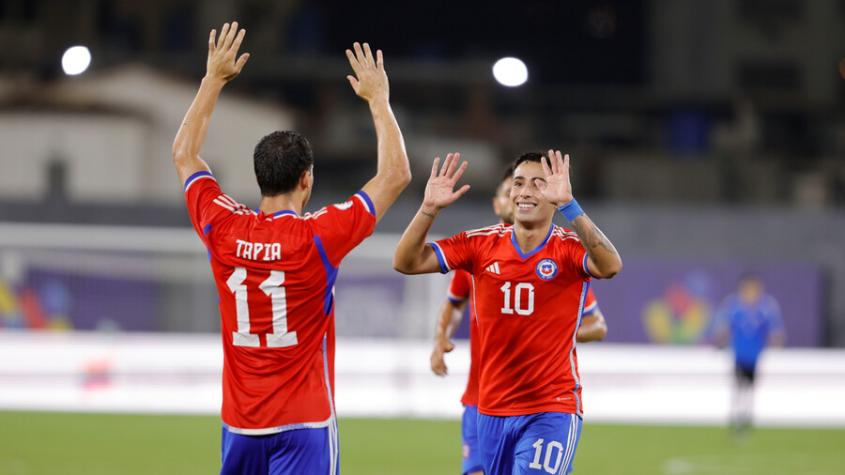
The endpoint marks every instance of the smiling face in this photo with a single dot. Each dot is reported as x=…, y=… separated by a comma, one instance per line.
x=529, y=206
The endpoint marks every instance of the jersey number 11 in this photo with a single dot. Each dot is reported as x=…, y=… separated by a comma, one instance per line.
x=274, y=289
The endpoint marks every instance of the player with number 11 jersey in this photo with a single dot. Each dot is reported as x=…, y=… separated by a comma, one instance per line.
x=275, y=270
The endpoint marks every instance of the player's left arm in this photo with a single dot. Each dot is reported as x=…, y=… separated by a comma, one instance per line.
x=393, y=172
x=603, y=261
x=222, y=66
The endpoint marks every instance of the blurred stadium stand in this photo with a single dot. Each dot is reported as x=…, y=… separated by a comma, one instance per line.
x=701, y=132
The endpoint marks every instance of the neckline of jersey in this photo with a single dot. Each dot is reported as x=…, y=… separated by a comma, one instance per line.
x=537, y=249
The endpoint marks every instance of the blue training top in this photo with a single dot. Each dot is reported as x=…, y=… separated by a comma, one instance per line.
x=750, y=326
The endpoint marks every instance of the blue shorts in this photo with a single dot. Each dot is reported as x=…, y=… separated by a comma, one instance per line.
x=532, y=444
x=292, y=452
x=469, y=440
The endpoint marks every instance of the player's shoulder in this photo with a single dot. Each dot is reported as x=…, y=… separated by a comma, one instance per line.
x=226, y=204
x=495, y=231
x=561, y=234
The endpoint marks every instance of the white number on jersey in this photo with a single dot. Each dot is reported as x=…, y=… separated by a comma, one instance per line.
x=518, y=300
x=552, y=448
x=274, y=289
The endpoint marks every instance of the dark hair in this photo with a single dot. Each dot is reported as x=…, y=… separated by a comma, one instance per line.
x=527, y=157
x=279, y=159
x=506, y=174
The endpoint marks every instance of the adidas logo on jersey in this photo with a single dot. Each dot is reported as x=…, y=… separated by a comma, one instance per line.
x=494, y=268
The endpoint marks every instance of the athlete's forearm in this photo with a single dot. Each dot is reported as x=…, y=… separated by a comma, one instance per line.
x=392, y=157
x=412, y=255
x=450, y=319
x=393, y=172
x=194, y=128
x=603, y=254
x=593, y=328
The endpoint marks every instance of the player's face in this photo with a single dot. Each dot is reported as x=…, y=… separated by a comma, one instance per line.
x=528, y=203
x=502, y=205
x=750, y=290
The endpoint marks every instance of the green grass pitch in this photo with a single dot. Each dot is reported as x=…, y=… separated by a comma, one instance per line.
x=92, y=444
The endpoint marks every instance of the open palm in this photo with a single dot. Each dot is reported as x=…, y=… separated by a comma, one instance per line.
x=440, y=189
x=223, y=60
x=557, y=188
x=370, y=80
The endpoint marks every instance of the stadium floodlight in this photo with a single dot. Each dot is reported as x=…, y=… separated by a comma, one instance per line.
x=510, y=72
x=76, y=60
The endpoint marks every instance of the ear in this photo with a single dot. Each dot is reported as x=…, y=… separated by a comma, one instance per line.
x=306, y=180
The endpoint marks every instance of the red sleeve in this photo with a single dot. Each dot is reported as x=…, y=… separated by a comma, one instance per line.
x=459, y=287
x=453, y=253
x=574, y=255
x=590, y=304
x=207, y=205
x=341, y=227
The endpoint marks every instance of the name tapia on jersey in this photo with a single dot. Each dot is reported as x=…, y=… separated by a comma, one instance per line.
x=258, y=251
x=275, y=276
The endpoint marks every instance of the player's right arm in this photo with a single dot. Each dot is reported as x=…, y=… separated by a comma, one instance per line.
x=412, y=255
x=222, y=66
x=447, y=324
x=393, y=172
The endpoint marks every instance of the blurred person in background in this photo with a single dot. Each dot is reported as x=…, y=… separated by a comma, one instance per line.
x=749, y=320
x=530, y=282
x=275, y=270
x=593, y=328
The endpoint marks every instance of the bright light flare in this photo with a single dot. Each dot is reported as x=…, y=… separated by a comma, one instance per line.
x=510, y=72
x=76, y=60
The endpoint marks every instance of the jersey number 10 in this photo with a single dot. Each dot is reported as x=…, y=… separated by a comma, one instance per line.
x=522, y=306
x=273, y=288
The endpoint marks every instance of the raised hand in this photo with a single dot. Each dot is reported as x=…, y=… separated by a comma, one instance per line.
x=557, y=187
x=223, y=51
x=370, y=79
x=440, y=189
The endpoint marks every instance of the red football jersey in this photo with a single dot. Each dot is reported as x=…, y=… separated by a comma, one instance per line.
x=275, y=276
x=459, y=290
x=527, y=307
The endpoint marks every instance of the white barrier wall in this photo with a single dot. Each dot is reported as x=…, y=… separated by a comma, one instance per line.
x=388, y=378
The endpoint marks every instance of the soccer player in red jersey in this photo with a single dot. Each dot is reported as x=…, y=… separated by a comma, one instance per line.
x=529, y=285
x=275, y=270
x=592, y=328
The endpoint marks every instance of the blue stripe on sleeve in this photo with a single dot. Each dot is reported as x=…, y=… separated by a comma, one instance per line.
x=370, y=206
x=196, y=176
x=444, y=269
x=586, y=267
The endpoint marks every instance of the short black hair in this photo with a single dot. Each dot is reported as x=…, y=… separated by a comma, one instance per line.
x=527, y=157
x=279, y=159
x=506, y=174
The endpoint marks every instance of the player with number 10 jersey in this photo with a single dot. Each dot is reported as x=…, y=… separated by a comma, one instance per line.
x=529, y=286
